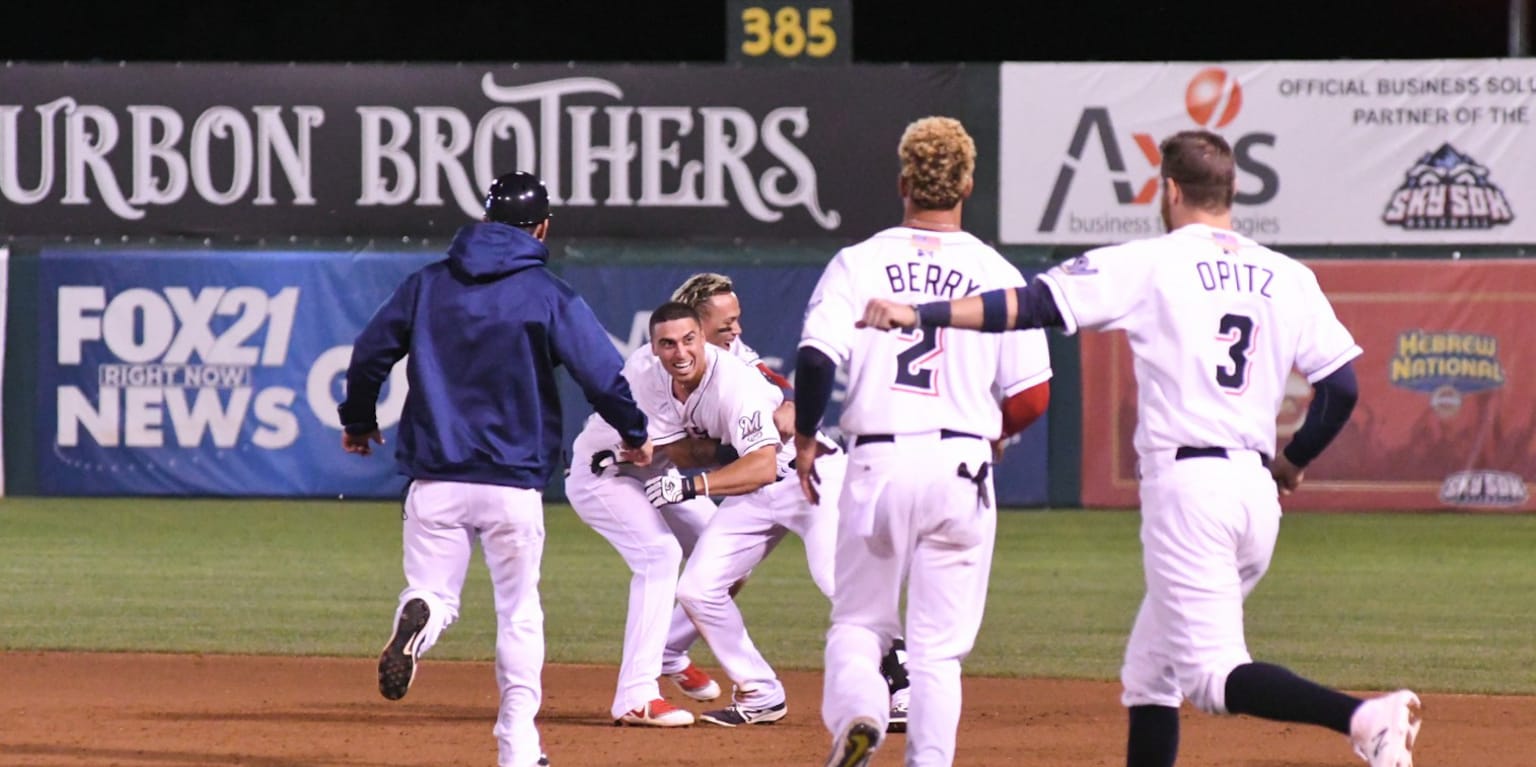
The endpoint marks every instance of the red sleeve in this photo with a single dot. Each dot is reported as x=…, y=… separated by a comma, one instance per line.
x=773, y=377
x=1021, y=410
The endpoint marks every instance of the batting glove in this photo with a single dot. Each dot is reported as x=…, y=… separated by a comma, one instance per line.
x=671, y=487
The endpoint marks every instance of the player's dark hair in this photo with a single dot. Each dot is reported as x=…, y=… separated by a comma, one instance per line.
x=673, y=310
x=1201, y=162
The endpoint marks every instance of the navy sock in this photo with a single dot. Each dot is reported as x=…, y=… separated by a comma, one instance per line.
x=894, y=666
x=1154, y=737
x=1272, y=692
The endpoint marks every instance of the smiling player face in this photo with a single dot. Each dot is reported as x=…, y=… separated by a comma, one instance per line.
x=679, y=344
x=722, y=319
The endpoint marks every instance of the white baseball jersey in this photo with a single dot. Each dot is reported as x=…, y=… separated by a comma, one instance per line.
x=924, y=379
x=741, y=351
x=1216, y=322
x=733, y=403
x=642, y=368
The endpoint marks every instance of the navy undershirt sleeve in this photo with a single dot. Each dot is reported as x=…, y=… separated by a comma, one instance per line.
x=1333, y=399
x=815, y=374
x=1037, y=307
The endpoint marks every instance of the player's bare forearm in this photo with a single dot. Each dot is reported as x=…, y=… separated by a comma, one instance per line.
x=967, y=313
x=806, y=450
x=694, y=452
x=784, y=419
x=750, y=472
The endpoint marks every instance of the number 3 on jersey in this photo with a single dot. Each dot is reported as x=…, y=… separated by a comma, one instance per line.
x=924, y=345
x=1236, y=330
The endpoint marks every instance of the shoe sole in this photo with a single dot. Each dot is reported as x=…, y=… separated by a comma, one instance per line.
x=626, y=721
x=397, y=662
x=768, y=718
x=857, y=746
x=700, y=694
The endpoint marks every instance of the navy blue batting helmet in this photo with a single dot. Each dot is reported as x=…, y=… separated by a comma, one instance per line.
x=517, y=198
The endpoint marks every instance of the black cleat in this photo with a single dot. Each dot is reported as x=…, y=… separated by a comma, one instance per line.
x=397, y=663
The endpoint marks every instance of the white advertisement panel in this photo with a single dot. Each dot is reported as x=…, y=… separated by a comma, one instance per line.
x=1337, y=152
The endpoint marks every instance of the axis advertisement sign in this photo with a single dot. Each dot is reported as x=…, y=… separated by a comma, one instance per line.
x=1345, y=152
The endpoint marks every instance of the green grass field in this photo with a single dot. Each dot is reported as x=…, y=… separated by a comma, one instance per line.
x=1444, y=603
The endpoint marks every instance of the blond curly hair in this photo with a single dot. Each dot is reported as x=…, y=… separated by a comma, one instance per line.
x=701, y=287
x=937, y=160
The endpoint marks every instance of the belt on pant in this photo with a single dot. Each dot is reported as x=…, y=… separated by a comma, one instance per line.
x=865, y=439
x=1210, y=452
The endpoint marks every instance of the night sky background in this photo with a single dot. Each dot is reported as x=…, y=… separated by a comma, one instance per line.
x=694, y=30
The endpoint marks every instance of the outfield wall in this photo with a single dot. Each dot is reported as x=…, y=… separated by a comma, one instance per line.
x=192, y=246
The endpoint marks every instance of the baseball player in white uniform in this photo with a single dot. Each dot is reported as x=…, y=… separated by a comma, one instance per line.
x=1216, y=323
x=714, y=296
x=709, y=393
x=610, y=498
x=922, y=407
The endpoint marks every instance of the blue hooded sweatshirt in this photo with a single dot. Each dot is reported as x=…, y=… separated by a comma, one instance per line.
x=485, y=329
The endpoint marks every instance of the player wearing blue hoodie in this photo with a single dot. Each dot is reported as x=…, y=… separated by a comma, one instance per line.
x=480, y=434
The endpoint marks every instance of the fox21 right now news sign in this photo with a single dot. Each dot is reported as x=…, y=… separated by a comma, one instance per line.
x=1339, y=152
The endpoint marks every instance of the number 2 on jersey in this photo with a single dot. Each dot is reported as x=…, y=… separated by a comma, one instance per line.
x=1236, y=329
x=926, y=344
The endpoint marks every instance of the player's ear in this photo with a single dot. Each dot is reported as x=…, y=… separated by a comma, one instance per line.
x=970, y=186
x=1172, y=191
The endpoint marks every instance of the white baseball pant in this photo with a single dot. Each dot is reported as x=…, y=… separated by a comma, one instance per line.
x=443, y=520
x=740, y=536
x=657, y=633
x=1208, y=530
x=906, y=514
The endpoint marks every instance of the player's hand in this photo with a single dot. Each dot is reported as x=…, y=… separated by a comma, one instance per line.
x=881, y=314
x=806, y=450
x=998, y=446
x=784, y=420
x=1287, y=475
x=671, y=487
x=361, y=444
x=639, y=456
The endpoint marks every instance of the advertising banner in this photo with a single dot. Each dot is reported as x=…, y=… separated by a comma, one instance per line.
x=5, y=291
x=1337, y=152
x=208, y=372
x=370, y=150
x=773, y=301
x=1447, y=379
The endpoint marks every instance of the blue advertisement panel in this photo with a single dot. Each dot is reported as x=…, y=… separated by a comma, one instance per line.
x=773, y=300
x=207, y=372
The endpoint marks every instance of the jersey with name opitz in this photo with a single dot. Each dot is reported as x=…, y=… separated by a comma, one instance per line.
x=1216, y=323
x=925, y=379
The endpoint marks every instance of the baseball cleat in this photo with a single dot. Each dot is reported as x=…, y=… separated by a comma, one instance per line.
x=737, y=714
x=899, y=702
x=1383, y=729
x=696, y=684
x=856, y=745
x=657, y=713
x=397, y=663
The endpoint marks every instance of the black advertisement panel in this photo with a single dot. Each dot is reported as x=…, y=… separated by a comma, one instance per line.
x=651, y=151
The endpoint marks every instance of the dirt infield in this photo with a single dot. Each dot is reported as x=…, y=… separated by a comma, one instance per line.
x=61, y=709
